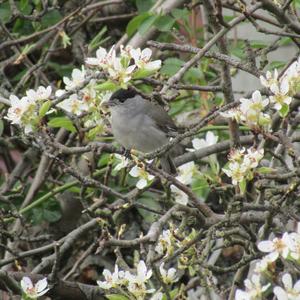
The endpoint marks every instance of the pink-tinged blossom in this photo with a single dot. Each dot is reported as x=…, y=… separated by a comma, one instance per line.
x=34, y=291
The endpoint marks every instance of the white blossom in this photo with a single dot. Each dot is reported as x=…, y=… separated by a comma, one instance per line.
x=293, y=242
x=180, y=196
x=112, y=280
x=262, y=265
x=293, y=71
x=17, y=109
x=255, y=103
x=289, y=292
x=142, y=59
x=41, y=93
x=252, y=110
x=236, y=171
x=241, y=164
x=210, y=139
x=124, y=161
x=144, y=177
x=281, y=94
x=78, y=77
x=277, y=247
x=22, y=112
x=254, y=289
x=139, y=290
x=168, y=276
x=126, y=51
x=74, y=105
x=164, y=243
x=101, y=58
x=233, y=113
x=253, y=157
x=137, y=282
x=34, y=291
x=142, y=273
x=120, y=68
x=117, y=71
x=270, y=80
x=186, y=172
x=237, y=154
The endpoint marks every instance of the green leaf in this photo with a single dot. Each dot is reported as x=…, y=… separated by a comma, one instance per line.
x=200, y=187
x=171, y=66
x=228, y=18
x=23, y=4
x=243, y=185
x=92, y=134
x=173, y=294
x=106, y=86
x=258, y=44
x=62, y=122
x=5, y=12
x=44, y=108
x=276, y=65
x=116, y=297
x=142, y=73
x=150, y=201
x=284, y=110
x=164, y=23
x=144, y=5
x=180, y=14
x=98, y=39
x=147, y=24
x=265, y=170
x=238, y=49
x=103, y=161
x=51, y=18
x=285, y=41
x=297, y=3
x=193, y=75
x=134, y=24
x=23, y=27
x=51, y=215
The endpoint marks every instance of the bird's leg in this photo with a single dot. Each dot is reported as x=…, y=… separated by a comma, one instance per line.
x=126, y=153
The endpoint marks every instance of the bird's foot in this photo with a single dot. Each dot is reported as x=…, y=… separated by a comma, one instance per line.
x=127, y=153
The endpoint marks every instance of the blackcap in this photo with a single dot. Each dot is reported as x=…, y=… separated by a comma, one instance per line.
x=140, y=124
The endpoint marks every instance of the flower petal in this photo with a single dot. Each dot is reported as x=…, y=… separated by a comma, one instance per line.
x=141, y=183
x=265, y=246
x=280, y=293
x=41, y=285
x=134, y=172
x=287, y=281
x=26, y=283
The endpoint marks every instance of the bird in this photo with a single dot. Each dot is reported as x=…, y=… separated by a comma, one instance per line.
x=141, y=125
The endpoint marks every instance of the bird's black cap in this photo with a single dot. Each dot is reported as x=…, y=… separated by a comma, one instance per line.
x=122, y=94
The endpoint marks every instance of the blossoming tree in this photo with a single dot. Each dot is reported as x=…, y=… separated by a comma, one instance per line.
x=81, y=218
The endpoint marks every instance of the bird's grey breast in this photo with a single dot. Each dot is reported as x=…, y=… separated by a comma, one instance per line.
x=134, y=129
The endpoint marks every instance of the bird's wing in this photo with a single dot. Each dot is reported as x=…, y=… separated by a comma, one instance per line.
x=161, y=118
